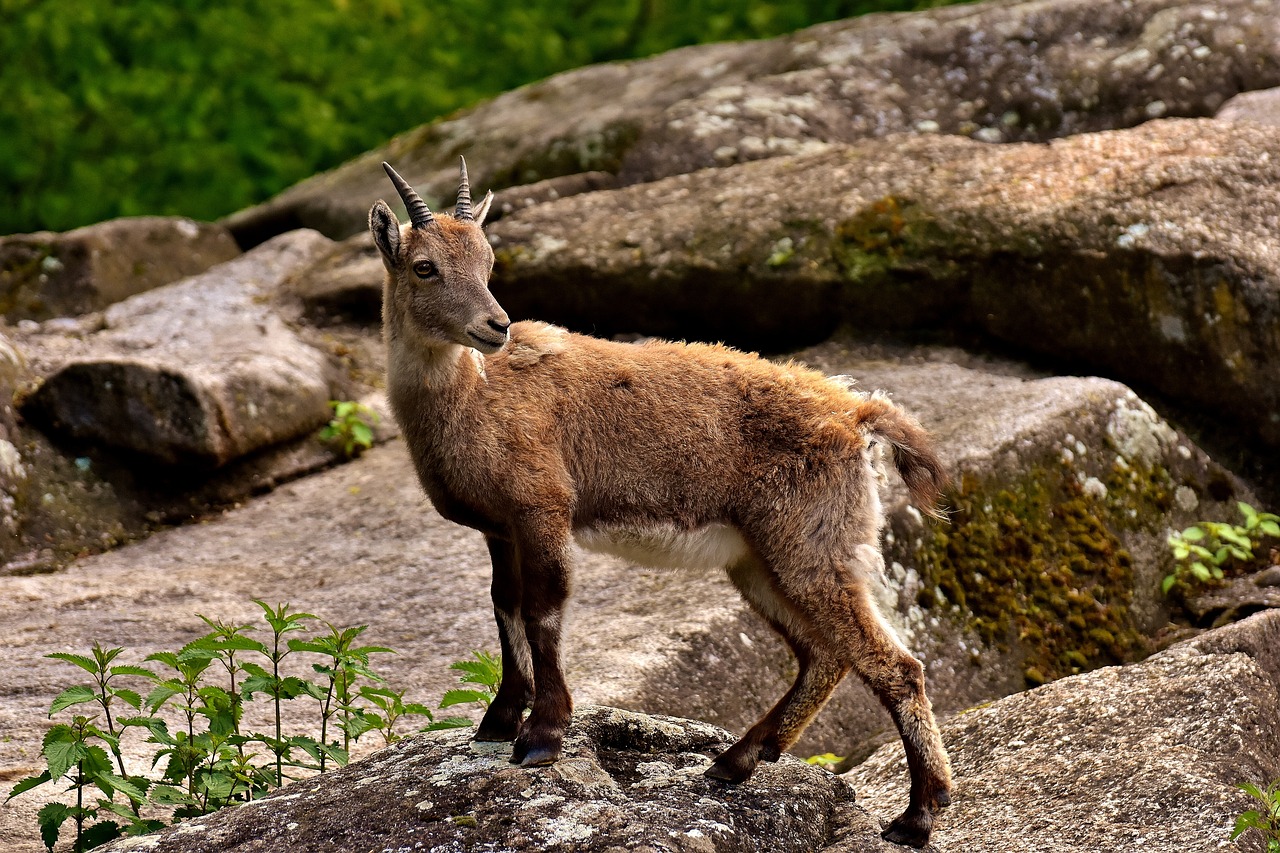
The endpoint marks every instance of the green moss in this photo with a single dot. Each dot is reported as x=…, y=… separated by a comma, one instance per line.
x=888, y=234
x=1036, y=567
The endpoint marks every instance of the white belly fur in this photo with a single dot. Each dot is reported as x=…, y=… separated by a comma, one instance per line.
x=712, y=546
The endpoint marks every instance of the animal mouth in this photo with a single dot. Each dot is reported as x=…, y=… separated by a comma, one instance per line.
x=485, y=344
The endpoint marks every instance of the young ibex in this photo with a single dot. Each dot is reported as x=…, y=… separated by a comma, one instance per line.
x=667, y=454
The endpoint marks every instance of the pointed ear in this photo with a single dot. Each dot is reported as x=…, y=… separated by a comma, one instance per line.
x=483, y=210
x=385, y=228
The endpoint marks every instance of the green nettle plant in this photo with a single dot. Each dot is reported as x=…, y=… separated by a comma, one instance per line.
x=207, y=760
x=351, y=428
x=1204, y=548
x=1266, y=821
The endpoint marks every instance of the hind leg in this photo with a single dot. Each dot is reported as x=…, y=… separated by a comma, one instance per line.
x=837, y=600
x=820, y=672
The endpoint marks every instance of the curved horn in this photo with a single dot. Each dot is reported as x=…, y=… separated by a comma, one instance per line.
x=419, y=213
x=463, y=209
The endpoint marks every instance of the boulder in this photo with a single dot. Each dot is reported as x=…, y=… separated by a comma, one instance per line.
x=1141, y=757
x=1261, y=106
x=47, y=275
x=626, y=782
x=198, y=372
x=999, y=71
x=1094, y=250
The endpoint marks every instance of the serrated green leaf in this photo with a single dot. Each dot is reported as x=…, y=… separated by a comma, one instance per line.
x=28, y=783
x=51, y=818
x=362, y=434
x=169, y=659
x=130, y=669
x=1201, y=571
x=63, y=755
x=1246, y=510
x=1193, y=534
x=72, y=696
x=86, y=663
x=1180, y=552
x=167, y=795
x=1270, y=528
x=161, y=693
x=99, y=834
x=122, y=785
x=129, y=697
x=460, y=697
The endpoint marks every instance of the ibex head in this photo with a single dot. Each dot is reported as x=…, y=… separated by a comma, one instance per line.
x=438, y=269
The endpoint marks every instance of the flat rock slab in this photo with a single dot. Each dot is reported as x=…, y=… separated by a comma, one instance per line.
x=999, y=71
x=626, y=781
x=1098, y=249
x=1141, y=757
x=49, y=274
x=198, y=372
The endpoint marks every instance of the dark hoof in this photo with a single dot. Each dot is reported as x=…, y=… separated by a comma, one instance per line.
x=540, y=757
x=728, y=768
x=770, y=753
x=909, y=830
x=942, y=799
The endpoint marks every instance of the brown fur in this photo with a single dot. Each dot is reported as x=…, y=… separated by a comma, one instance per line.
x=556, y=434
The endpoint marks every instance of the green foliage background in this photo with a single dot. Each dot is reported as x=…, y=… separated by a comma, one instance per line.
x=125, y=107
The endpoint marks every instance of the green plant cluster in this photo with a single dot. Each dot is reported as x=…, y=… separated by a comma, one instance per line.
x=351, y=428
x=192, y=714
x=1265, y=820
x=200, y=109
x=1200, y=551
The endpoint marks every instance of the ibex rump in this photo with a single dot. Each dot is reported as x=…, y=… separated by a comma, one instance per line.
x=668, y=454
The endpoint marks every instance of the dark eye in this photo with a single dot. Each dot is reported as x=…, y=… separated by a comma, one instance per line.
x=425, y=269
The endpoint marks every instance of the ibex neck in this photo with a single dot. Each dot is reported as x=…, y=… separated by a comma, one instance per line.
x=431, y=372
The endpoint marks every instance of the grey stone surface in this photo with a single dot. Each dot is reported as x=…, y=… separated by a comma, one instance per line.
x=202, y=371
x=49, y=274
x=1262, y=106
x=1141, y=757
x=997, y=71
x=626, y=782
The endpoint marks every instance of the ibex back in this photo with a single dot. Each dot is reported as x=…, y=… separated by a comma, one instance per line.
x=668, y=454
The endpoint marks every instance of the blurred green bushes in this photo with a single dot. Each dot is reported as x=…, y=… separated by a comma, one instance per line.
x=124, y=107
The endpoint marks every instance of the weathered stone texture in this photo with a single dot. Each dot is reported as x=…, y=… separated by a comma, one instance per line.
x=997, y=71
x=47, y=275
x=1141, y=757
x=202, y=371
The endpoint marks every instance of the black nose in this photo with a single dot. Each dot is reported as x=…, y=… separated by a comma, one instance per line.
x=500, y=327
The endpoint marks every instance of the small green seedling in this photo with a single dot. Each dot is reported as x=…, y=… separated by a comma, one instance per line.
x=351, y=428
x=1266, y=821
x=1204, y=548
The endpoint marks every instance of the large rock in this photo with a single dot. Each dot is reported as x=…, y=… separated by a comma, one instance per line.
x=47, y=275
x=203, y=371
x=1142, y=757
x=1262, y=106
x=998, y=71
x=1096, y=250
x=626, y=782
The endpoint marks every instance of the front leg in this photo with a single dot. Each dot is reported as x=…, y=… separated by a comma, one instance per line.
x=542, y=546
x=502, y=720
